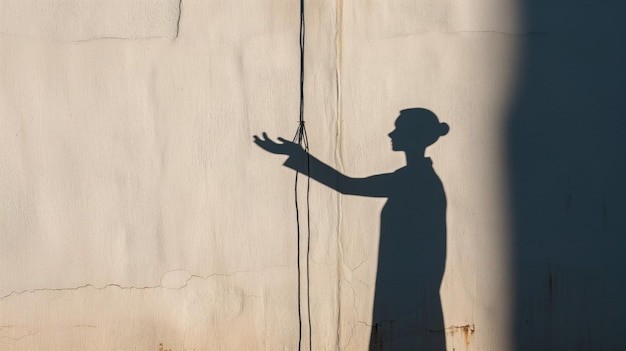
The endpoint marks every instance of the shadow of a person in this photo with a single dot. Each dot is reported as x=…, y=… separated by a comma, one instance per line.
x=412, y=251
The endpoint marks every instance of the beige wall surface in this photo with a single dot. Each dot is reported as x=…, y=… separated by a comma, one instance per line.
x=138, y=214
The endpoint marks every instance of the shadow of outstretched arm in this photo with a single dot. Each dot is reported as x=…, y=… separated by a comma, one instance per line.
x=302, y=162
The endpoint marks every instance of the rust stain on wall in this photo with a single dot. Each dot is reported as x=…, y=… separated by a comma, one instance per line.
x=467, y=331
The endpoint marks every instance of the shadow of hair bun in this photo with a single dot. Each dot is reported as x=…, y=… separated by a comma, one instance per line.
x=443, y=128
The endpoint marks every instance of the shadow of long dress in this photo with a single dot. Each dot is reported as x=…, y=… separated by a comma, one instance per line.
x=407, y=308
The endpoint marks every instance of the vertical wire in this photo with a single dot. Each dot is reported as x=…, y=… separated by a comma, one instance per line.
x=298, y=258
x=301, y=138
x=308, y=245
x=306, y=149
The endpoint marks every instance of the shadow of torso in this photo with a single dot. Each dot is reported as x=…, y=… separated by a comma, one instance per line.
x=411, y=260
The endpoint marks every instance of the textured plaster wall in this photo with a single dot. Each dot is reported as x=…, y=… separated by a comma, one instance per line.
x=137, y=214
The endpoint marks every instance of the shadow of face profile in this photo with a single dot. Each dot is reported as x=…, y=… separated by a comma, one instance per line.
x=416, y=128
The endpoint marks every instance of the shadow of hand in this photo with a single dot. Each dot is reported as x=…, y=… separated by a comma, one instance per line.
x=285, y=147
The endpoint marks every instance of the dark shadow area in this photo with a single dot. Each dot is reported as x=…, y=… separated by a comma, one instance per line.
x=567, y=167
x=412, y=251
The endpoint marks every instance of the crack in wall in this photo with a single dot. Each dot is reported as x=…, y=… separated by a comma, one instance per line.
x=75, y=21
x=17, y=338
x=356, y=312
x=150, y=287
x=180, y=12
x=144, y=38
x=338, y=155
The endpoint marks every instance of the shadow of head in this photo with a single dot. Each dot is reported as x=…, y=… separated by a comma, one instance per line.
x=416, y=128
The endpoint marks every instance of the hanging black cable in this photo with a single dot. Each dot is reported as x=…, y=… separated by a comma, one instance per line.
x=301, y=139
